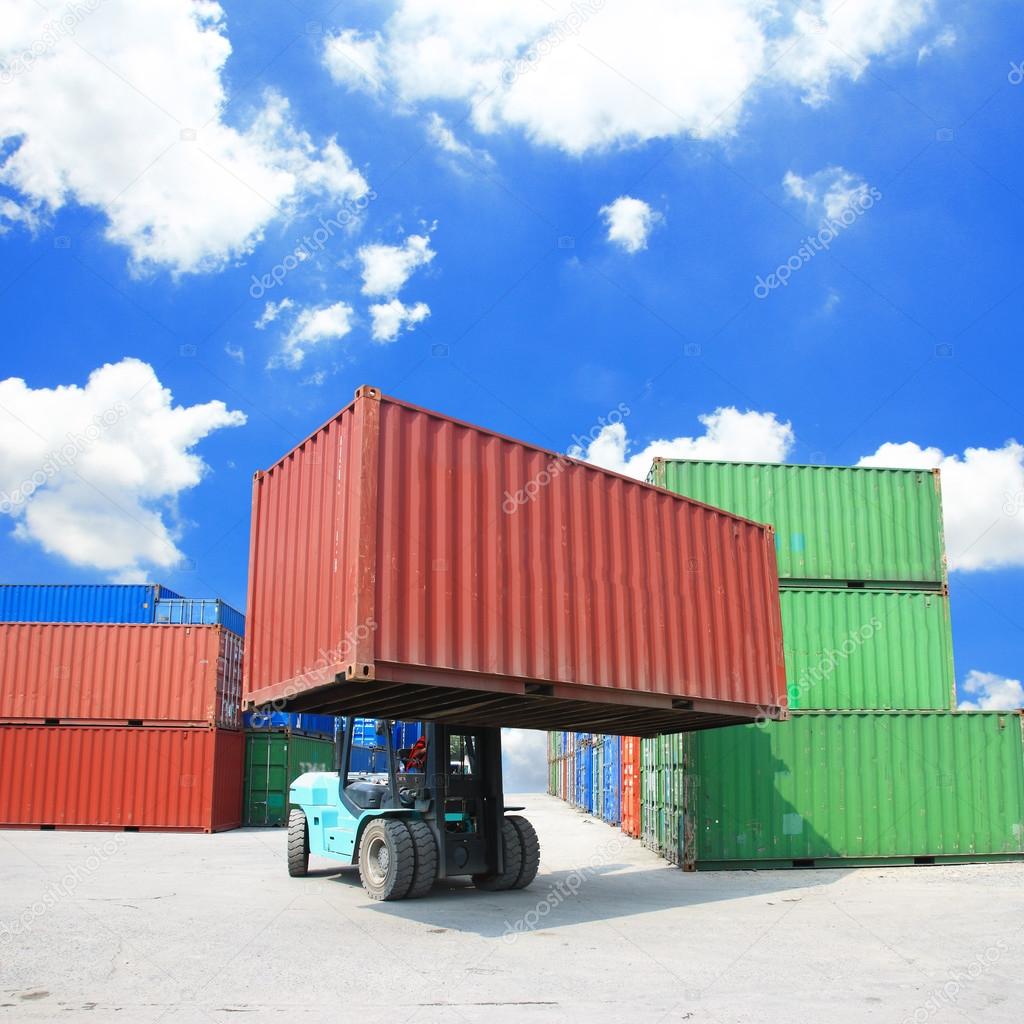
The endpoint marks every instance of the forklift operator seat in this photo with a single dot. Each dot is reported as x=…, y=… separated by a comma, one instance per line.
x=367, y=795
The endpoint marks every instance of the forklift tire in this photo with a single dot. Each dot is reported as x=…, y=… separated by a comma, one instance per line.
x=387, y=859
x=531, y=850
x=425, y=846
x=298, y=844
x=512, y=848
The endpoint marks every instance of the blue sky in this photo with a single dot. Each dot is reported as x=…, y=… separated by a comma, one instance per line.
x=159, y=176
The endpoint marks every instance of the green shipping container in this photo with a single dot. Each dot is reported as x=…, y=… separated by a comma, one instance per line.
x=832, y=523
x=663, y=795
x=855, y=650
x=273, y=761
x=824, y=790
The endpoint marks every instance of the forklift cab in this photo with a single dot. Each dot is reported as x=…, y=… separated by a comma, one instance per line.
x=450, y=777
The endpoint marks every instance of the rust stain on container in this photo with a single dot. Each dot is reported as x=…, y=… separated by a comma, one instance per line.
x=405, y=564
x=112, y=777
x=78, y=673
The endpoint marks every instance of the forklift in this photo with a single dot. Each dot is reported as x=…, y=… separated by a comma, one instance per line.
x=438, y=811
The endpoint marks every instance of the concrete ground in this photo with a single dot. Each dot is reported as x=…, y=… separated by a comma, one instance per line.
x=142, y=927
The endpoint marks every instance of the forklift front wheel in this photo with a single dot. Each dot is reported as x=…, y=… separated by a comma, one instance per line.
x=298, y=844
x=531, y=850
x=387, y=859
x=512, y=848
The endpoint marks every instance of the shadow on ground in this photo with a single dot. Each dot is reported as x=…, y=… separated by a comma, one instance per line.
x=563, y=899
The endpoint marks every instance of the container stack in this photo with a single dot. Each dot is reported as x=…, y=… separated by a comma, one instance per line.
x=119, y=709
x=874, y=765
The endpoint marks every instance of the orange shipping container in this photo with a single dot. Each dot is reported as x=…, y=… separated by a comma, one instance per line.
x=132, y=674
x=631, y=786
x=407, y=565
x=113, y=777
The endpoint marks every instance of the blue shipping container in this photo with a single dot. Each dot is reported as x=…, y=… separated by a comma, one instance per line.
x=188, y=611
x=584, y=798
x=321, y=725
x=81, y=602
x=612, y=781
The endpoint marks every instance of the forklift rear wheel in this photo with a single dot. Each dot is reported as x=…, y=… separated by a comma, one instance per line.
x=512, y=848
x=425, y=873
x=387, y=859
x=531, y=850
x=298, y=844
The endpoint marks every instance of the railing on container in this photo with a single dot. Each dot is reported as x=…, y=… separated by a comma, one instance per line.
x=187, y=611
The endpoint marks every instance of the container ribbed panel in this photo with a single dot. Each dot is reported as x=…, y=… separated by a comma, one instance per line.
x=867, y=649
x=831, y=522
x=116, y=777
x=855, y=786
x=94, y=672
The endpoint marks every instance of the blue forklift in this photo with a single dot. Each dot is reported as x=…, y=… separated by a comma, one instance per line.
x=437, y=812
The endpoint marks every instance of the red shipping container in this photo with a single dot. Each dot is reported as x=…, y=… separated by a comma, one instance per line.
x=115, y=777
x=631, y=786
x=407, y=565
x=132, y=674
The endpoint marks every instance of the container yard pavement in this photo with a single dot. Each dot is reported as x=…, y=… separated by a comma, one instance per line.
x=153, y=927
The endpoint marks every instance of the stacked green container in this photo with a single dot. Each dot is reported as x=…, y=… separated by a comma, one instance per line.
x=274, y=759
x=873, y=765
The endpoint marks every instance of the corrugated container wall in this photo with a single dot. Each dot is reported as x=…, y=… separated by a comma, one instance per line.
x=631, y=786
x=80, y=602
x=404, y=563
x=95, y=777
x=52, y=672
x=867, y=649
x=850, y=787
x=273, y=761
x=611, y=782
x=832, y=523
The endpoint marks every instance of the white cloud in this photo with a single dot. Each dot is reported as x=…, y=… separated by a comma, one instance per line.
x=945, y=40
x=390, y=317
x=442, y=136
x=236, y=352
x=179, y=186
x=524, y=760
x=583, y=75
x=729, y=435
x=92, y=473
x=271, y=311
x=982, y=499
x=313, y=326
x=992, y=692
x=386, y=268
x=630, y=222
x=830, y=41
x=355, y=61
x=827, y=193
